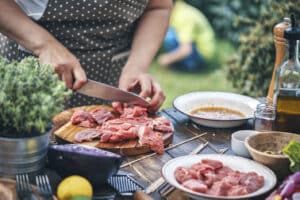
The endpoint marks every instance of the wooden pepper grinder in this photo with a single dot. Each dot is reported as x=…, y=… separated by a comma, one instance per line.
x=280, y=48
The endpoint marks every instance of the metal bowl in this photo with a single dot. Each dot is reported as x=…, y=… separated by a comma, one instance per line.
x=23, y=155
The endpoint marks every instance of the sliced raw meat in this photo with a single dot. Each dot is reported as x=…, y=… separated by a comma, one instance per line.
x=132, y=123
x=218, y=179
x=219, y=188
x=252, y=181
x=182, y=174
x=233, y=178
x=87, y=135
x=202, y=168
x=195, y=185
x=118, y=130
x=195, y=174
x=101, y=115
x=210, y=177
x=83, y=118
x=105, y=135
x=152, y=138
x=135, y=111
x=213, y=163
x=237, y=190
x=161, y=124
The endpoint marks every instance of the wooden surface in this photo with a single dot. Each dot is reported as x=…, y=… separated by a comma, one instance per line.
x=66, y=131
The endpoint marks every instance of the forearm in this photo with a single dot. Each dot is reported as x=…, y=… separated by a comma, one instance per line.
x=149, y=34
x=180, y=53
x=15, y=24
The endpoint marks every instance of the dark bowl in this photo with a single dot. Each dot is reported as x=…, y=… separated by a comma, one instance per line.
x=92, y=163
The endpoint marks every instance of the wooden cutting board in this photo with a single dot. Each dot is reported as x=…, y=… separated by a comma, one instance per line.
x=65, y=131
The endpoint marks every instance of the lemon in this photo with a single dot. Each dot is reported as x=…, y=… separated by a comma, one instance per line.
x=81, y=198
x=74, y=186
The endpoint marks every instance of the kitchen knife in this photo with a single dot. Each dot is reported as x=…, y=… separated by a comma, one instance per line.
x=107, y=92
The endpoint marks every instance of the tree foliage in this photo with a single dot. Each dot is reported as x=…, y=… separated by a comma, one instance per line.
x=230, y=18
x=251, y=68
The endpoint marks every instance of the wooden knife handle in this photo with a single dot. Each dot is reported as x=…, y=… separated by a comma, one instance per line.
x=140, y=195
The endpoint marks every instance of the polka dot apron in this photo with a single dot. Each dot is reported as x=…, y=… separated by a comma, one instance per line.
x=97, y=32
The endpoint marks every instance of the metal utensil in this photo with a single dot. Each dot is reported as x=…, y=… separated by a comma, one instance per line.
x=44, y=187
x=107, y=92
x=23, y=187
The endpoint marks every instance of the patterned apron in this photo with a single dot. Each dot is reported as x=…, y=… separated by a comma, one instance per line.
x=97, y=32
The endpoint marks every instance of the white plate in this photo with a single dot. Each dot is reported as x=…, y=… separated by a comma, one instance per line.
x=191, y=101
x=234, y=162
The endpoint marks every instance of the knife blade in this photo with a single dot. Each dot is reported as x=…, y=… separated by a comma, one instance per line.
x=108, y=92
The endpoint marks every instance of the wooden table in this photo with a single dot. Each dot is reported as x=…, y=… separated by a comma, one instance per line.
x=148, y=170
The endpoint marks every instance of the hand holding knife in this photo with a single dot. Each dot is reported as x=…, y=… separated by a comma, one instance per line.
x=107, y=92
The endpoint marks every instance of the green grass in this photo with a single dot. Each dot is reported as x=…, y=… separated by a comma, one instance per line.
x=212, y=78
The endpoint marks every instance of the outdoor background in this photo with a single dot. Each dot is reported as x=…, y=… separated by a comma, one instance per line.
x=245, y=53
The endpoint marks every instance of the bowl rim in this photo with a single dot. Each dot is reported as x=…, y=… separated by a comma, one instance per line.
x=250, y=148
x=248, y=133
x=210, y=119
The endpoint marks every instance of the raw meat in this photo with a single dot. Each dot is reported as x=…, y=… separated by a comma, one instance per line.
x=161, y=124
x=213, y=178
x=87, y=135
x=83, y=118
x=152, y=138
x=133, y=122
x=195, y=185
x=182, y=174
x=101, y=115
x=252, y=181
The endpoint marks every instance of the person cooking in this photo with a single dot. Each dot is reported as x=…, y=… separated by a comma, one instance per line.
x=89, y=39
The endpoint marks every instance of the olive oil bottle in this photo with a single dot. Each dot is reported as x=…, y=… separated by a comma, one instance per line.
x=287, y=86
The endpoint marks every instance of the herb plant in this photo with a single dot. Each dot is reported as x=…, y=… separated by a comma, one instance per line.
x=30, y=95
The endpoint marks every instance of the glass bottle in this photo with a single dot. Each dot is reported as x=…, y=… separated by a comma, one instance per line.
x=264, y=117
x=287, y=86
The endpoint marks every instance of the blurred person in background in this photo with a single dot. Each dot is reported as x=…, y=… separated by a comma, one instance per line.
x=91, y=39
x=190, y=40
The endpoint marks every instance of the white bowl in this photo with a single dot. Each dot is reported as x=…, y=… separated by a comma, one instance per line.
x=234, y=162
x=191, y=101
x=238, y=142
